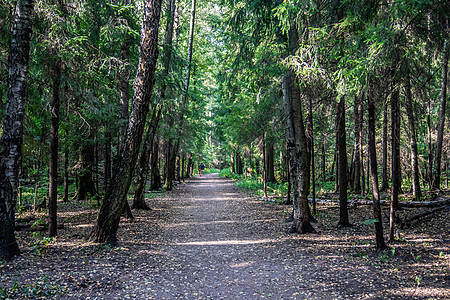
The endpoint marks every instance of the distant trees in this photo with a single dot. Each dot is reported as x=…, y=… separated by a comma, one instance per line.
x=373, y=55
x=316, y=89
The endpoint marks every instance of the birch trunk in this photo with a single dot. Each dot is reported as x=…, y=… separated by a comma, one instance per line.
x=12, y=136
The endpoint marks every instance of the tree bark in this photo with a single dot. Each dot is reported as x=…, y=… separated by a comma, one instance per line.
x=270, y=168
x=379, y=236
x=114, y=200
x=53, y=169
x=310, y=141
x=384, y=175
x=12, y=136
x=412, y=132
x=124, y=89
x=86, y=186
x=139, y=194
x=297, y=154
x=395, y=156
x=357, y=147
x=154, y=170
x=343, y=179
x=436, y=181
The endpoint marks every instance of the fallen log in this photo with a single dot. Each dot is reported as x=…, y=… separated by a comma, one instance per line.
x=437, y=203
x=31, y=228
x=407, y=220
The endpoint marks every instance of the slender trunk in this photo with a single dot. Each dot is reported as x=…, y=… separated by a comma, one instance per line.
x=324, y=178
x=310, y=141
x=264, y=166
x=239, y=168
x=12, y=136
x=115, y=197
x=270, y=168
x=412, y=132
x=430, y=145
x=124, y=89
x=139, y=193
x=66, y=177
x=379, y=236
x=86, y=176
x=384, y=175
x=395, y=157
x=107, y=176
x=53, y=169
x=173, y=151
x=343, y=180
x=436, y=181
x=155, y=175
x=357, y=157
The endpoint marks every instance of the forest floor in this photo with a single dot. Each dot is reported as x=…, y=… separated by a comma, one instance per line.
x=207, y=239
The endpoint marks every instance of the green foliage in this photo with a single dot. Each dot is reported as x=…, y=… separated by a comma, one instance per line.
x=40, y=289
x=40, y=244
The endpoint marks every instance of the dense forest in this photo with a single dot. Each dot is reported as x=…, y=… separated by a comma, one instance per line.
x=105, y=99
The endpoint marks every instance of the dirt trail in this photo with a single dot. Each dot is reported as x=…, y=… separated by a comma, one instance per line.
x=217, y=243
x=204, y=240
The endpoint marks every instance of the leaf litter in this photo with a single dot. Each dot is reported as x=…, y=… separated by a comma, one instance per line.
x=207, y=239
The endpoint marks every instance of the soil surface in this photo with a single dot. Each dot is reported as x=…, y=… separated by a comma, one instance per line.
x=206, y=239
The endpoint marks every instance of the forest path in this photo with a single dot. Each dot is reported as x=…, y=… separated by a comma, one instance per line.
x=215, y=242
x=206, y=239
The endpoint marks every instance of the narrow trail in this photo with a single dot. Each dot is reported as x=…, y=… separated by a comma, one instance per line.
x=216, y=243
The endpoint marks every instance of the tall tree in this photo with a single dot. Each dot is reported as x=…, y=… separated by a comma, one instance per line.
x=114, y=200
x=378, y=223
x=174, y=145
x=436, y=182
x=54, y=141
x=417, y=193
x=343, y=177
x=12, y=136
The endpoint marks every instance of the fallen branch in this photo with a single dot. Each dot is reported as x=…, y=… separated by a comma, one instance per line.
x=31, y=228
x=407, y=221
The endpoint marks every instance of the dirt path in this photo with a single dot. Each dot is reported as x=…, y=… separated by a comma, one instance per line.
x=207, y=240
x=216, y=243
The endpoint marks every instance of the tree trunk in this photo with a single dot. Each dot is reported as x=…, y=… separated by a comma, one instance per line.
x=270, y=168
x=395, y=157
x=66, y=177
x=297, y=154
x=86, y=186
x=264, y=165
x=12, y=136
x=357, y=147
x=412, y=132
x=173, y=151
x=115, y=197
x=343, y=180
x=53, y=169
x=154, y=170
x=139, y=193
x=107, y=170
x=384, y=175
x=310, y=141
x=239, y=168
x=124, y=89
x=436, y=181
x=379, y=236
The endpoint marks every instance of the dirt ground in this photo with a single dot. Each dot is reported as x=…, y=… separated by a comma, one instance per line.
x=206, y=239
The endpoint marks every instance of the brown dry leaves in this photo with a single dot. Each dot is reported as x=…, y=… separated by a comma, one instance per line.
x=207, y=240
